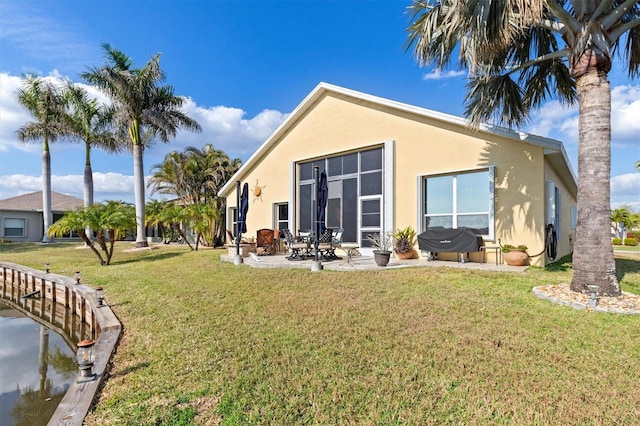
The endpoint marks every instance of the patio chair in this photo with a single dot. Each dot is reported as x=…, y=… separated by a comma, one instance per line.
x=298, y=249
x=325, y=241
x=264, y=241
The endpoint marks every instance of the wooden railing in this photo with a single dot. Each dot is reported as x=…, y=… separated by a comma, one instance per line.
x=73, y=311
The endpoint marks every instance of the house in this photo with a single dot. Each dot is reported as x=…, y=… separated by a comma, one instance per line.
x=391, y=165
x=21, y=217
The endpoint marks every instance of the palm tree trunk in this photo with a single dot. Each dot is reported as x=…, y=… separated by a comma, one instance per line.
x=88, y=186
x=47, y=215
x=138, y=188
x=593, y=262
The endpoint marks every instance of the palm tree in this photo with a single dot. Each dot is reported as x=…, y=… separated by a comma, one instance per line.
x=195, y=176
x=618, y=217
x=521, y=53
x=91, y=123
x=141, y=104
x=45, y=103
x=153, y=216
x=111, y=219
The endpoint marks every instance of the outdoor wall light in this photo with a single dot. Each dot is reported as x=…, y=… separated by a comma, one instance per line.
x=77, y=275
x=85, y=357
x=100, y=295
x=47, y=267
x=593, y=292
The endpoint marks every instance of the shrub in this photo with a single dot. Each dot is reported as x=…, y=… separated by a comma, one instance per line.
x=630, y=242
x=616, y=241
x=509, y=247
x=404, y=240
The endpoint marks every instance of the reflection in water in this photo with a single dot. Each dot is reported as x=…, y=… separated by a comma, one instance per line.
x=36, y=368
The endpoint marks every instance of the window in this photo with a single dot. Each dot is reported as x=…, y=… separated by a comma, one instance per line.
x=15, y=227
x=349, y=177
x=233, y=214
x=462, y=200
x=553, y=207
x=282, y=216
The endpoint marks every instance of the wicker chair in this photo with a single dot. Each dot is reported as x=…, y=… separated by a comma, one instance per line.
x=264, y=241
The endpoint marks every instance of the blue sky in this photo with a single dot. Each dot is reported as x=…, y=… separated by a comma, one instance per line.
x=244, y=65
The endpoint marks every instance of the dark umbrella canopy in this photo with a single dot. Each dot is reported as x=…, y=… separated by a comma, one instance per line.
x=244, y=208
x=323, y=195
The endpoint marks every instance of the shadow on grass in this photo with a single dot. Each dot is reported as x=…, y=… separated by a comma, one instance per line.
x=131, y=369
x=148, y=258
x=626, y=265
x=623, y=266
x=14, y=247
x=560, y=265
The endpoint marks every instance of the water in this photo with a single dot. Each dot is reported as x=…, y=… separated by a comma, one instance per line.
x=36, y=368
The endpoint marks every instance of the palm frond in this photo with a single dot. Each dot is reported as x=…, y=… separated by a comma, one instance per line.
x=495, y=98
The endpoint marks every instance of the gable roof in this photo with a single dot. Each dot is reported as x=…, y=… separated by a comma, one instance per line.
x=33, y=202
x=553, y=149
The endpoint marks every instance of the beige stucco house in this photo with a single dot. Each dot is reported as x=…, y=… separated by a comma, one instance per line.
x=21, y=217
x=391, y=165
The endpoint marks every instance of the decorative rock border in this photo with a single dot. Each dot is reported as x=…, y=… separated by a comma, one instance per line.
x=561, y=294
x=81, y=300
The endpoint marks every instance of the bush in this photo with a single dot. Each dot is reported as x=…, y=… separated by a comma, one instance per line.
x=510, y=247
x=630, y=242
x=404, y=240
x=616, y=241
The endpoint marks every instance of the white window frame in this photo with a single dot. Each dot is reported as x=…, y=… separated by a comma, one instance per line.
x=491, y=202
x=24, y=227
x=554, y=207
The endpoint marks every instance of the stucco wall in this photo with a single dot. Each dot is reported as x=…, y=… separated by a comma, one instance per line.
x=568, y=200
x=34, y=224
x=423, y=146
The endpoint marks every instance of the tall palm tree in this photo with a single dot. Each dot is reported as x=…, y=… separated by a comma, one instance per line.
x=45, y=103
x=91, y=123
x=142, y=104
x=520, y=53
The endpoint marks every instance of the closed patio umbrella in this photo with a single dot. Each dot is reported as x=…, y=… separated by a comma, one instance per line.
x=323, y=195
x=243, y=208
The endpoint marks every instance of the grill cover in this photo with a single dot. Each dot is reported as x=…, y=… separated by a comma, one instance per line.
x=438, y=239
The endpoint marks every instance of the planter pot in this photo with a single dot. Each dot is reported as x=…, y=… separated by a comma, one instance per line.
x=408, y=255
x=516, y=258
x=381, y=257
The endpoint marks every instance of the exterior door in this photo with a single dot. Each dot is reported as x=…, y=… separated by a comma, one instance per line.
x=370, y=221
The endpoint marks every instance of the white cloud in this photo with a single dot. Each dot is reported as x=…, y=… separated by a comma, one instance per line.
x=561, y=121
x=625, y=191
x=625, y=115
x=106, y=185
x=555, y=120
x=437, y=74
x=226, y=128
x=627, y=185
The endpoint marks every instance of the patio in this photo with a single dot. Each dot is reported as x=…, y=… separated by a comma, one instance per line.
x=363, y=263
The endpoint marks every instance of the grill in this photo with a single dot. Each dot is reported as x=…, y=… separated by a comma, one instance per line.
x=459, y=240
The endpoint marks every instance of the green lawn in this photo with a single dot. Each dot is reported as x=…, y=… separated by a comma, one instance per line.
x=207, y=342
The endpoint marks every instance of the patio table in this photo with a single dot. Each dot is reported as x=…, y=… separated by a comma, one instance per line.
x=350, y=249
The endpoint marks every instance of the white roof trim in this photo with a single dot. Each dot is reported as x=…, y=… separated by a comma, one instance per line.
x=550, y=145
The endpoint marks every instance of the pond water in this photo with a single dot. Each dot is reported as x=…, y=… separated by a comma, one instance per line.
x=36, y=368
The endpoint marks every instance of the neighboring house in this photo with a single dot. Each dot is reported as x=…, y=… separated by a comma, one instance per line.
x=21, y=217
x=391, y=165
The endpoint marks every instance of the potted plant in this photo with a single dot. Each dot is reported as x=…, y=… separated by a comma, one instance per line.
x=382, y=243
x=403, y=242
x=515, y=255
